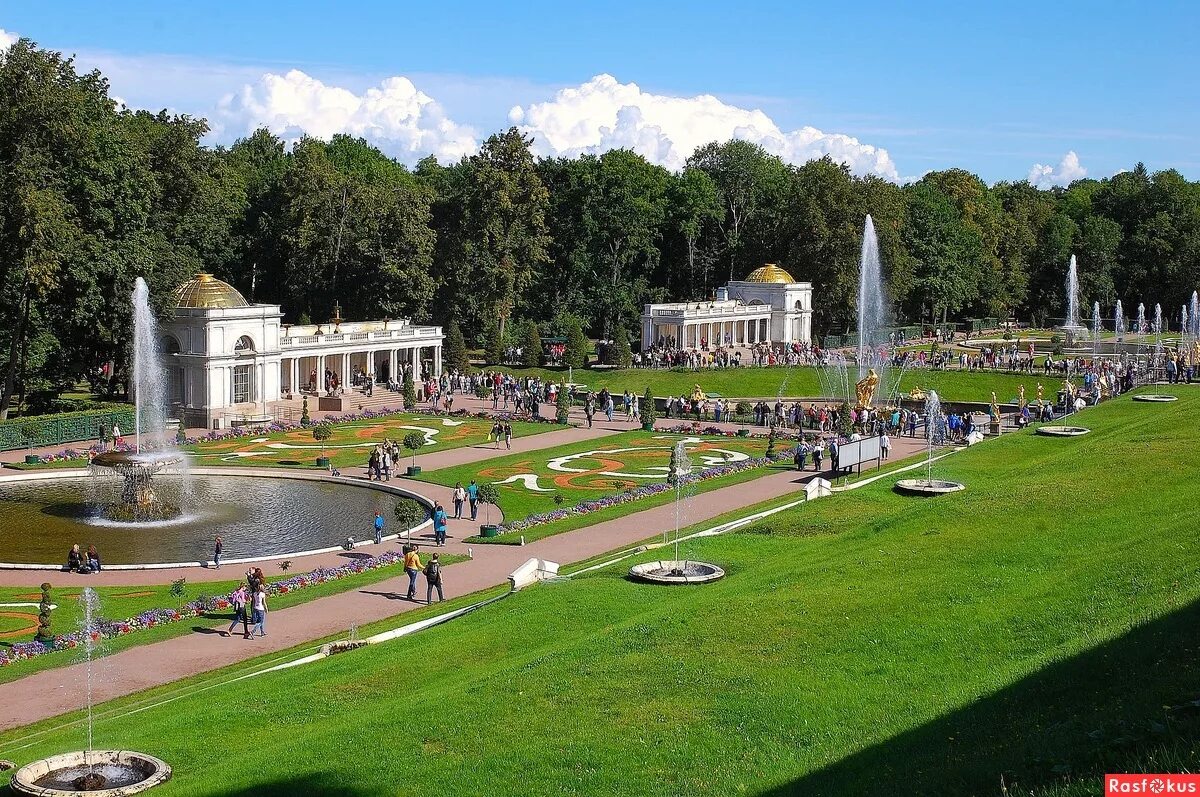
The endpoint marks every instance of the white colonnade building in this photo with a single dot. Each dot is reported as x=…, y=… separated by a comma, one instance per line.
x=227, y=359
x=768, y=306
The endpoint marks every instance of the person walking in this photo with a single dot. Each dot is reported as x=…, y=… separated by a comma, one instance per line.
x=412, y=566
x=473, y=498
x=258, y=608
x=885, y=444
x=218, y=547
x=237, y=599
x=818, y=452
x=433, y=579
x=508, y=435
x=460, y=495
x=378, y=527
x=439, y=525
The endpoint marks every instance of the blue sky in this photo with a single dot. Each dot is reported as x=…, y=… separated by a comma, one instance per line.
x=991, y=87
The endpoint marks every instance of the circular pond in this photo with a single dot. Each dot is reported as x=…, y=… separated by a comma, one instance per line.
x=1155, y=398
x=255, y=516
x=1062, y=431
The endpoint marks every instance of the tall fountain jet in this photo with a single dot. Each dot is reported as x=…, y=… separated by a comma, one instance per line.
x=149, y=381
x=871, y=312
x=1195, y=314
x=1095, y=328
x=1185, y=326
x=1158, y=319
x=1141, y=319
x=1072, y=321
x=1119, y=320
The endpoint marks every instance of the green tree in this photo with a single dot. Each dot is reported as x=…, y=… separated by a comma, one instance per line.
x=504, y=234
x=693, y=207
x=577, y=345
x=409, y=391
x=562, y=405
x=493, y=347
x=456, y=348
x=622, y=355
x=531, y=344
x=413, y=442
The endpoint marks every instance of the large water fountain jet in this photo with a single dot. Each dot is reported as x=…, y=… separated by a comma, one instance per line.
x=1071, y=326
x=935, y=435
x=1095, y=329
x=872, y=315
x=1140, y=329
x=1119, y=320
x=139, y=502
x=1195, y=314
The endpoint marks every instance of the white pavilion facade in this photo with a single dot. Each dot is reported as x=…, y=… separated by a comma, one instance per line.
x=229, y=360
x=768, y=306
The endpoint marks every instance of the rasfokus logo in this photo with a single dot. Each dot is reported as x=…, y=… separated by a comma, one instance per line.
x=1151, y=784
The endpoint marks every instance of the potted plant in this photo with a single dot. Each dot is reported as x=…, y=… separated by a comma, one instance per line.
x=29, y=432
x=322, y=432
x=488, y=495
x=649, y=411
x=413, y=441
x=562, y=405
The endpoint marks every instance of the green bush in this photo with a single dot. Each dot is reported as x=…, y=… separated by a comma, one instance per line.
x=65, y=427
x=456, y=348
x=409, y=391
x=562, y=406
x=577, y=345
x=413, y=442
x=649, y=410
x=743, y=408
x=410, y=513
x=482, y=391
x=531, y=345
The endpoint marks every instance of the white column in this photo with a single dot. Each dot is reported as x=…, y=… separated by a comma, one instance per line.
x=415, y=356
x=392, y=365
x=437, y=360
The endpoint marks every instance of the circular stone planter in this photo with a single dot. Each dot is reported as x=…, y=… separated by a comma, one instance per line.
x=125, y=772
x=928, y=487
x=1062, y=431
x=1155, y=398
x=676, y=572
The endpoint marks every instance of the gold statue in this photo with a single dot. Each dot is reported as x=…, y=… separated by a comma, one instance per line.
x=1069, y=388
x=1021, y=396
x=1040, y=390
x=865, y=388
x=697, y=394
x=917, y=394
x=1195, y=353
x=995, y=408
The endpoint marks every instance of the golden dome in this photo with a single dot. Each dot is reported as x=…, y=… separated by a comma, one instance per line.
x=769, y=273
x=206, y=292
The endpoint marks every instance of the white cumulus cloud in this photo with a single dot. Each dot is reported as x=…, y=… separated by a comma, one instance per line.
x=604, y=114
x=395, y=116
x=7, y=39
x=1068, y=170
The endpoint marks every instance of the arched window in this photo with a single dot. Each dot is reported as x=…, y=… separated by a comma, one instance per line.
x=799, y=305
x=169, y=345
x=755, y=302
x=244, y=345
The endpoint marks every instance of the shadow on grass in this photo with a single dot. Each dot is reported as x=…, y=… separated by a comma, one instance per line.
x=1126, y=705
x=316, y=783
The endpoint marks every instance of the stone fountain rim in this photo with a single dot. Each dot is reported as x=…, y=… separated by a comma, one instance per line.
x=928, y=486
x=1155, y=398
x=49, y=474
x=1061, y=431
x=159, y=772
x=115, y=460
x=642, y=572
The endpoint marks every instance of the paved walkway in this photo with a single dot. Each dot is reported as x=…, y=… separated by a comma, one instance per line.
x=53, y=692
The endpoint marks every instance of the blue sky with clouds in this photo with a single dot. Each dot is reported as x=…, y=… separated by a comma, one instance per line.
x=993, y=87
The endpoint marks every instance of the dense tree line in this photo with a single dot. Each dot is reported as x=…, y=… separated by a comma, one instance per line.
x=92, y=195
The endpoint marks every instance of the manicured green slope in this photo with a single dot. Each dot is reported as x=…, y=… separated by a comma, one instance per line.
x=1031, y=628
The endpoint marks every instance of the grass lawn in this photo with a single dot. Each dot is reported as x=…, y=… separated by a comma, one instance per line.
x=799, y=381
x=1035, y=630
x=118, y=603
x=352, y=442
x=528, y=482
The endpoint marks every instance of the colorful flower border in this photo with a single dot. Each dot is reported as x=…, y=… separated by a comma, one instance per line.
x=105, y=628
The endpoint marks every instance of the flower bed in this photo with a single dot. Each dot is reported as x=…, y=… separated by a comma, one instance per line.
x=108, y=629
x=639, y=493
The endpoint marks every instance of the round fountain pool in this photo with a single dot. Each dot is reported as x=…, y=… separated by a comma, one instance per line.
x=928, y=487
x=1155, y=398
x=109, y=773
x=1062, y=431
x=256, y=516
x=676, y=572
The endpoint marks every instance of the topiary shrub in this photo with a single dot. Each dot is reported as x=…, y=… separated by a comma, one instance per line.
x=322, y=432
x=409, y=391
x=410, y=513
x=487, y=495
x=413, y=441
x=305, y=418
x=649, y=410
x=562, y=405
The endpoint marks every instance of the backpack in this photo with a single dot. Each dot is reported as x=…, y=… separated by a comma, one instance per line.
x=433, y=571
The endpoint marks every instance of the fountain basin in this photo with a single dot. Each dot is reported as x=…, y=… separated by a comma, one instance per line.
x=1062, y=431
x=676, y=572
x=1156, y=398
x=124, y=772
x=928, y=487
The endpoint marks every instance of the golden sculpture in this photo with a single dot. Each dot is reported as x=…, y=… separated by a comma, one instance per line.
x=995, y=408
x=1195, y=353
x=697, y=394
x=917, y=394
x=1021, y=396
x=1040, y=390
x=1069, y=388
x=865, y=388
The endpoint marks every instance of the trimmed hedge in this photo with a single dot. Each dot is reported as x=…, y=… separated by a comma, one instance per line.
x=66, y=427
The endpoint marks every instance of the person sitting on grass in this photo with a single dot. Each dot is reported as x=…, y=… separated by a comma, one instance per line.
x=93, y=559
x=74, y=559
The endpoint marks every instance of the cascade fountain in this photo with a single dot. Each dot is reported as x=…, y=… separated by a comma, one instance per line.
x=1140, y=328
x=90, y=771
x=1195, y=314
x=935, y=435
x=1071, y=326
x=1095, y=329
x=872, y=313
x=677, y=570
x=1119, y=320
x=138, y=500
